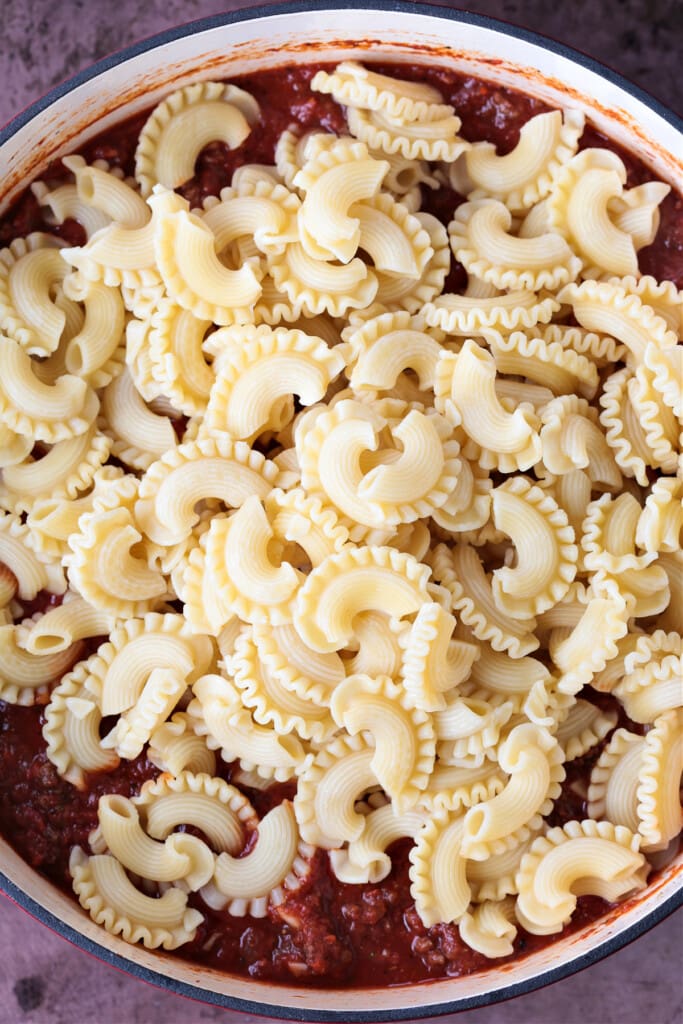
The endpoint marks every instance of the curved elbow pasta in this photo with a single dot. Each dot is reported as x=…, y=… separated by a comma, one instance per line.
x=47, y=412
x=356, y=580
x=315, y=286
x=328, y=790
x=103, y=190
x=588, y=852
x=31, y=269
x=250, y=883
x=204, y=112
x=366, y=859
x=533, y=759
x=174, y=747
x=395, y=240
x=111, y=899
x=207, y=803
x=25, y=676
x=659, y=809
x=614, y=781
x=261, y=367
x=60, y=627
x=221, y=717
x=183, y=476
x=247, y=582
x=661, y=521
x=72, y=730
x=480, y=240
x=584, y=727
x=355, y=86
x=489, y=929
x=435, y=139
x=177, y=360
x=461, y=572
x=185, y=250
x=432, y=662
x=465, y=393
x=526, y=174
x=160, y=694
x=437, y=872
x=332, y=182
x=549, y=362
x=310, y=675
x=138, y=435
x=180, y=857
x=544, y=542
x=571, y=439
x=387, y=345
x=470, y=315
x=270, y=701
x=377, y=705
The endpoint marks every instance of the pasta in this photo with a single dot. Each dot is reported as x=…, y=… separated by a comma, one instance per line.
x=286, y=510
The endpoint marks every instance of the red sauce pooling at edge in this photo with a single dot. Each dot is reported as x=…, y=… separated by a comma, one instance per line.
x=328, y=933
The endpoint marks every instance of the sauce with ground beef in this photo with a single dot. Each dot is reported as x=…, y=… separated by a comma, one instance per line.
x=327, y=933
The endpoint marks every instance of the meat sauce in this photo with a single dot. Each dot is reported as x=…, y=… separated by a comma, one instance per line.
x=327, y=933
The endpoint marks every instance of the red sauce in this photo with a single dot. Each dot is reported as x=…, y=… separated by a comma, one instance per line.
x=327, y=933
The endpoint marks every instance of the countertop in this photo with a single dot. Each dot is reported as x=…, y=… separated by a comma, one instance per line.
x=43, y=980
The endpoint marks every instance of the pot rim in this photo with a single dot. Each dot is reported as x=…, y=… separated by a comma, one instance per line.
x=548, y=975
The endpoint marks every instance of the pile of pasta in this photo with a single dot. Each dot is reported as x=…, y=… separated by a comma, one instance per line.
x=338, y=526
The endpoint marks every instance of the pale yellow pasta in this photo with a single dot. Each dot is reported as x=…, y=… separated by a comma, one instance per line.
x=174, y=747
x=533, y=759
x=314, y=286
x=469, y=728
x=437, y=872
x=434, y=139
x=180, y=857
x=469, y=315
x=409, y=293
x=178, y=364
x=481, y=240
x=461, y=571
x=659, y=808
x=598, y=856
x=667, y=368
x=104, y=190
x=204, y=112
x=376, y=649
x=273, y=703
x=121, y=667
x=660, y=427
x=72, y=730
x=96, y=352
x=365, y=859
x=47, y=412
x=248, y=884
x=247, y=582
x=452, y=787
x=376, y=705
x=306, y=522
x=64, y=202
x=489, y=929
x=609, y=535
x=584, y=727
x=661, y=521
x=252, y=216
x=355, y=580
x=59, y=627
x=29, y=570
x=353, y=85
x=220, y=716
x=328, y=789
x=332, y=182
x=24, y=677
x=671, y=619
x=310, y=675
x=395, y=240
x=592, y=642
x=159, y=696
x=261, y=367
x=609, y=308
x=495, y=877
x=111, y=899
x=31, y=272
x=185, y=252
x=614, y=780
x=387, y=345
x=571, y=439
x=214, y=468
x=526, y=174
x=432, y=661
x=549, y=362
x=465, y=393
x=65, y=469
x=546, y=554
x=207, y=803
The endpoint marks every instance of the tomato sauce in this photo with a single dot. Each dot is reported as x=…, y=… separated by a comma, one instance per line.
x=327, y=933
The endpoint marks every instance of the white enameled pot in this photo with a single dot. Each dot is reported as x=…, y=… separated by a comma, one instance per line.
x=226, y=46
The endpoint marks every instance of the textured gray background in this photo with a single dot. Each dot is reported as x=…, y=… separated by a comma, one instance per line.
x=43, y=980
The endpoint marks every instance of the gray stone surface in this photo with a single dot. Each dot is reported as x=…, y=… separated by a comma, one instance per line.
x=43, y=980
